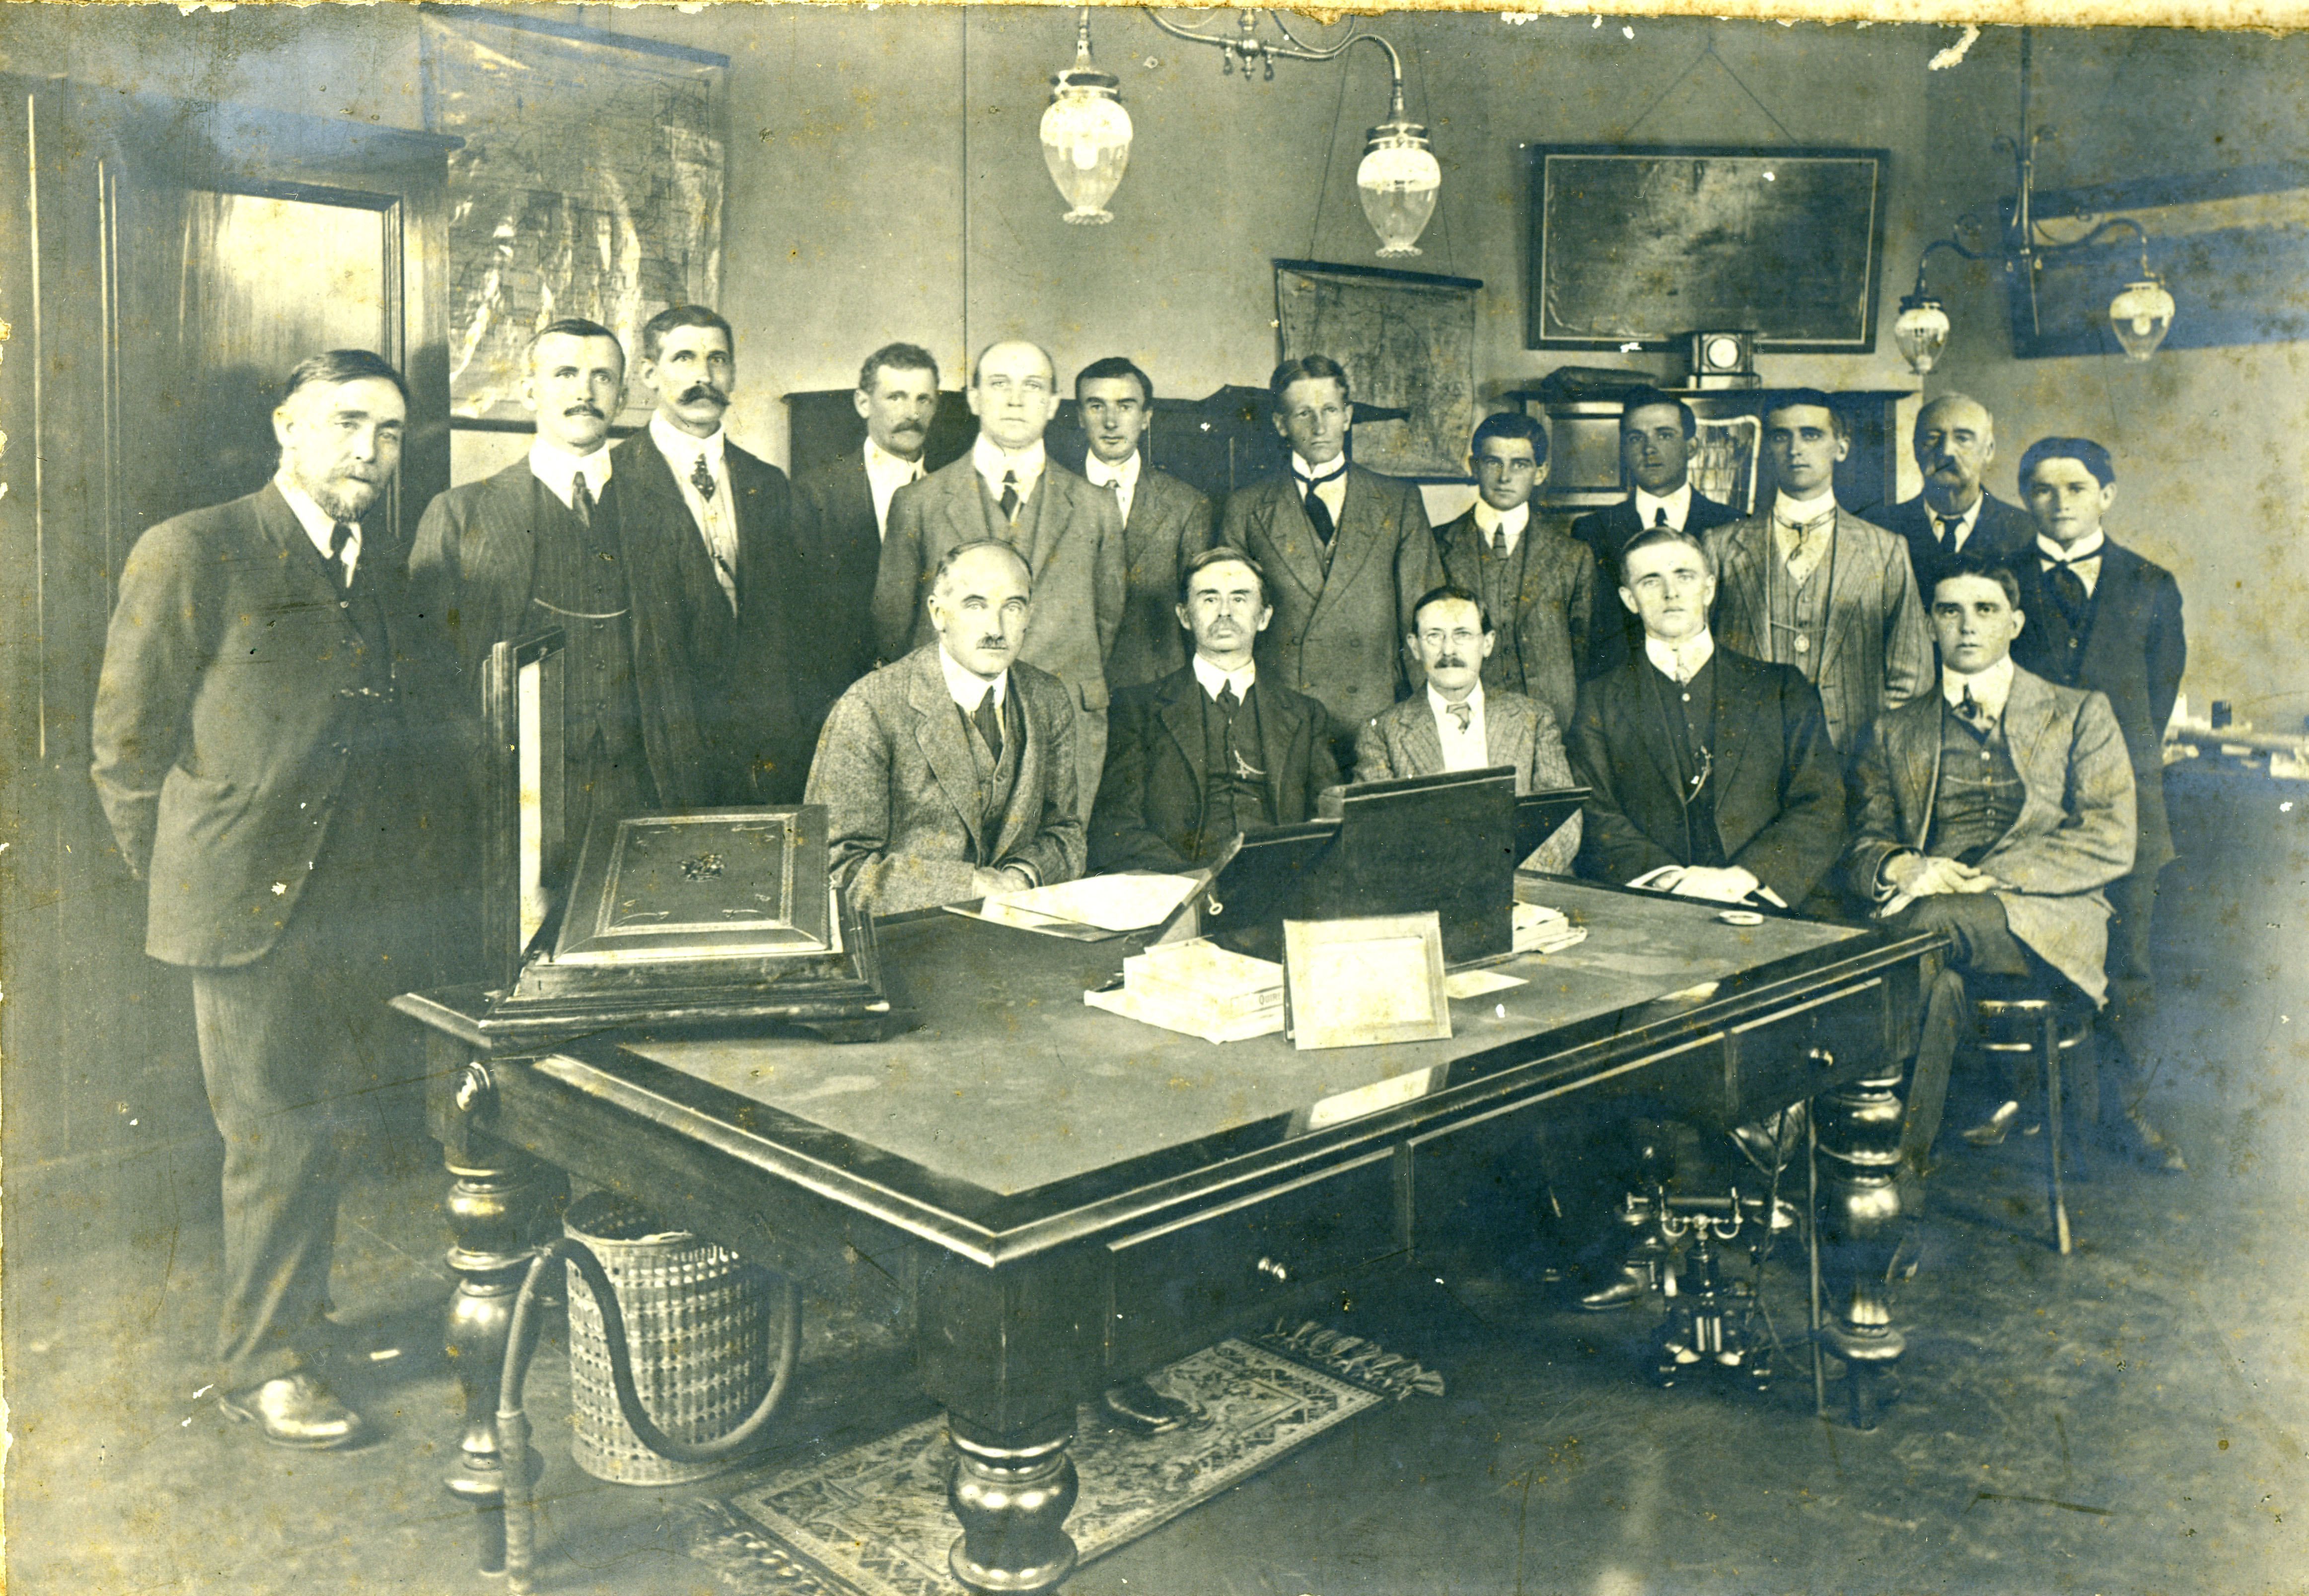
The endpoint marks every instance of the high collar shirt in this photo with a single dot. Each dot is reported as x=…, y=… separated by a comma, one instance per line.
x=1990, y=688
x=1683, y=660
x=885, y=473
x=559, y=470
x=1467, y=750
x=992, y=461
x=1803, y=528
x=968, y=688
x=1966, y=525
x=319, y=525
x=1677, y=505
x=1212, y=679
x=1330, y=480
x=1489, y=522
x=1124, y=478
x=2084, y=559
x=716, y=517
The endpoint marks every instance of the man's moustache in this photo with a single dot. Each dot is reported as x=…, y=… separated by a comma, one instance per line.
x=996, y=643
x=1451, y=662
x=697, y=391
x=585, y=409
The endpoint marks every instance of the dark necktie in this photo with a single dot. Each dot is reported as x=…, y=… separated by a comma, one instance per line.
x=1009, y=500
x=1969, y=709
x=701, y=478
x=2068, y=589
x=1319, y=514
x=341, y=536
x=1464, y=713
x=1500, y=543
x=1228, y=703
x=1948, y=524
x=1659, y=518
x=988, y=719
x=581, y=499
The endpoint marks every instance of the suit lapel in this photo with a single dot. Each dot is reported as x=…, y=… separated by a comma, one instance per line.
x=1732, y=710
x=1288, y=533
x=1358, y=534
x=1846, y=577
x=938, y=733
x=1507, y=740
x=1279, y=728
x=2032, y=723
x=1181, y=716
x=1022, y=808
x=502, y=561
x=1914, y=756
x=1421, y=741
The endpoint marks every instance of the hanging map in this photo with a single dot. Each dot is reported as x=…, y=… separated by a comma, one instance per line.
x=1407, y=340
x=591, y=184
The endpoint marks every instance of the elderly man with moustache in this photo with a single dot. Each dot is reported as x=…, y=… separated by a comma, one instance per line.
x=255, y=759
x=1810, y=584
x=1955, y=442
x=950, y=775
x=1460, y=723
x=1164, y=522
x=842, y=509
x=1069, y=533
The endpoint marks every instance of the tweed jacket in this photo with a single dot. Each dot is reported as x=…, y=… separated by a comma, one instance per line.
x=2074, y=834
x=753, y=727
x=229, y=715
x=470, y=577
x=1337, y=636
x=840, y=546
x=1077, y=561
x=1877, y=651
x=1401, y=740
x=900, y=788
x=1169, y=521
x=1779, y=786
x=2133, y=655
x=1999, y=534
x=1151, y=797
x=1616, y=635
x=1549, y=618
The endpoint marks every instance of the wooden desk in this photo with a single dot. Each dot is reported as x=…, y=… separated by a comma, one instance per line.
x=1070, y=1197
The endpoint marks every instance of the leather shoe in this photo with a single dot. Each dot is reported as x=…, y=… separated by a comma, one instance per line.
x=295, y=1411
x=2156, y=1149
x=1137, y=1406
x=1626, y=1291
x=1991, y=1131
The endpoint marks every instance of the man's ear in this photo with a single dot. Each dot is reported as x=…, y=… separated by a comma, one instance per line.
x=1490, y=641
x=858, y=398
x=1281, y=431
x=1627, y=597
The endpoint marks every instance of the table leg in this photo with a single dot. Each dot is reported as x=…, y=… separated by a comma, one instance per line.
x=1012, y=1493
x=1860, y=1139
x=491, y=1193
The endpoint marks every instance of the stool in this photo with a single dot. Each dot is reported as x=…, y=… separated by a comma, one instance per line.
x=2043, y=1031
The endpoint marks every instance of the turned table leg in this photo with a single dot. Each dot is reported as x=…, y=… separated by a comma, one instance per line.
x=1861, y=1225
x=1012, y=1493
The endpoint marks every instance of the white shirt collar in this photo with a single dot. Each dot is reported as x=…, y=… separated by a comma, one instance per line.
x=1212, y=679
x=1683, y=660
x=1965, y=523
x=1990, y=687
x=1803, y=512
x=559, y=469
x=1442, y=705
x=1488, y=521
x=967, y=688
x=1329, y=471
x=1098, y=473
x=680, y=449
x=319, y=525
x=881, y=463
x=991, y=461
x=1678, y=505
x=2086, y=549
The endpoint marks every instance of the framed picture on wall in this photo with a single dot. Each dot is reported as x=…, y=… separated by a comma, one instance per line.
x=1644, y=245
x=1407, y=340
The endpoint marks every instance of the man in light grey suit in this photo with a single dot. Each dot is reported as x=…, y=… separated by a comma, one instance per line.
x=1069, y=533
x=1164, y=522
x=950, y=775
x=1458, y=724
x=1810, y=584
x=1996, y=811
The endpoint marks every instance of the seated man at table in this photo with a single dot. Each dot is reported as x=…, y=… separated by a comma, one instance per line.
x=1209, y=751
x=950, y=775
x=1456, y=724
x=1711, y=773
x=1995, y=812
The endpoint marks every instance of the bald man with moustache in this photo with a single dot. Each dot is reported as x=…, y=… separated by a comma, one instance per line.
x=1006, y=488
x=1955, y=442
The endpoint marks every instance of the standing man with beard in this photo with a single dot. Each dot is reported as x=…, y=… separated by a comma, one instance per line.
x=1164, y=522
x=1955, y=441
x=842, y=509
x=253, y=759
x=717, y=523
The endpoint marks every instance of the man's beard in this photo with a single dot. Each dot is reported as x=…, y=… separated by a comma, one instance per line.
x=344, y=497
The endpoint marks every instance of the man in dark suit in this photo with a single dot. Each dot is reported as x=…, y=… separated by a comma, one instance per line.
x=1163, y=521
x=721, y=521
x=1955, y=440
x=1070, y=533
x=1209, y=751
x=542, y=545
x=2101, y=618
x=950, y=775
x=1656, y=434
x=1712, y=775
x=1813, y=585
x=1348, y=552
x=1533, y=583
x=840, y=512
x=1995, y=812
x=254, y=762
x=1460, y=723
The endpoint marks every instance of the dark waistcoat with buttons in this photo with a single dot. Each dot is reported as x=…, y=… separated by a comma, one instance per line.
x=1232, y=801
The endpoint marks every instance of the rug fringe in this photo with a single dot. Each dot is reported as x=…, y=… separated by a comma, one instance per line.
x=1354, y=1358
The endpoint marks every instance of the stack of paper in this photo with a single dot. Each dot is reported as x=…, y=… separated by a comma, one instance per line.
x=1200, y=988
x=1539, y=929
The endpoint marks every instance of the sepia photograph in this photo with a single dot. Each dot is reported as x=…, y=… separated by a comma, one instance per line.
x=825, y=799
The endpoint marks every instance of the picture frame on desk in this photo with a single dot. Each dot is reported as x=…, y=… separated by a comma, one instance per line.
x=1366, y=981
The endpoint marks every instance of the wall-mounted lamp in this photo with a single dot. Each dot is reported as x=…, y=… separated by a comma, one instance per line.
x=2140, y=316
x=1086, y=133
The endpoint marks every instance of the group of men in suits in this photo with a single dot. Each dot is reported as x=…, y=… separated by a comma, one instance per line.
x=1003, y=672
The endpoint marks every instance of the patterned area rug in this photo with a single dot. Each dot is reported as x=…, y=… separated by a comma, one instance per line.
x=873, y=1521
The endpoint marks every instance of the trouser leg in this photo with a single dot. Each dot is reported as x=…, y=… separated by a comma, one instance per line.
x=1980, y=941
x=2132, y=989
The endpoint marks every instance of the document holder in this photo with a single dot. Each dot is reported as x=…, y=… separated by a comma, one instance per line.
x=1443, y=842
x=1539, y=815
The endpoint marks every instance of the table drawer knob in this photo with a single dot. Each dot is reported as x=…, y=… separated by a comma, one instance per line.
x=1273, y=1270
x=475, y=1089
x=1820, y=1056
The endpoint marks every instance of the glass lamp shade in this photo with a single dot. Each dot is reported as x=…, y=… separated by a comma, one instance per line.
x=1921, y=332
x=1398, y=182
x=2141, y=314
x=1086, y=141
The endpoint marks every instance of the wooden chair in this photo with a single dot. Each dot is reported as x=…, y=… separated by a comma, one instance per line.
x=2040, y=1031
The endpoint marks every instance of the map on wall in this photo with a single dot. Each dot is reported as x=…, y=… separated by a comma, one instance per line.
x=1407, y=340
x=590, y=184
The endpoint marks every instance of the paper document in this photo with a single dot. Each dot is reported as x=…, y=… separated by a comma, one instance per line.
x=1108, y=902
x=1474, y=983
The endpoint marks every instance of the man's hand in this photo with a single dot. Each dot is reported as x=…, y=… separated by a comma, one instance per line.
x=990, y=884
x=1922, y=875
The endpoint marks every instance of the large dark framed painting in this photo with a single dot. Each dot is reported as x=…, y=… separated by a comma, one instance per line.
x=1642, y=245
x=1407, y=340
x=589, y=184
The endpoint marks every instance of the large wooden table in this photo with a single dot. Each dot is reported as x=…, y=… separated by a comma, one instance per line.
x=1070, y=1197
